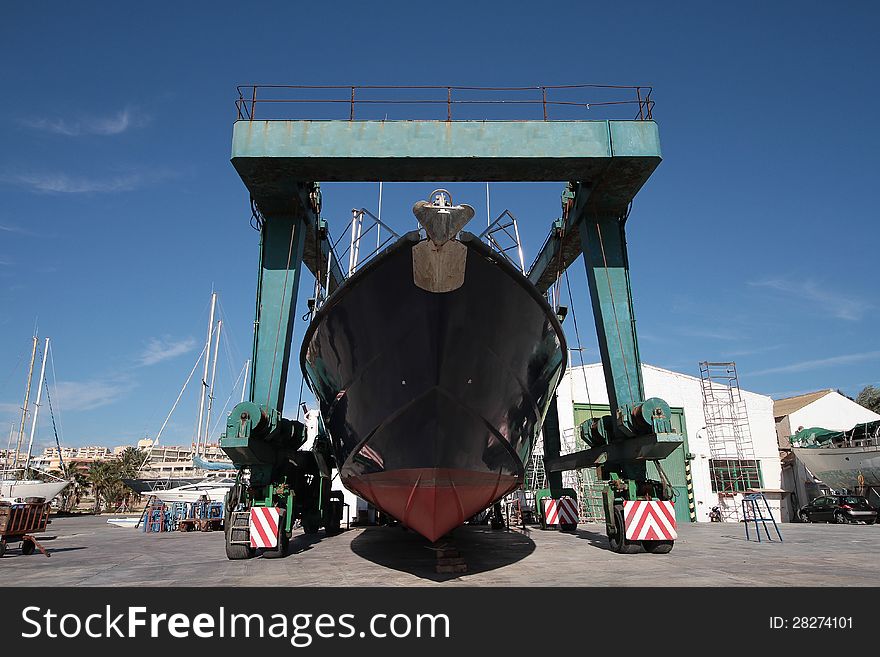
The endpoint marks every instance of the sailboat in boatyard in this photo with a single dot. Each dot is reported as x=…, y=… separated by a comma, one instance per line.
x=17, y=484
x=191, y=468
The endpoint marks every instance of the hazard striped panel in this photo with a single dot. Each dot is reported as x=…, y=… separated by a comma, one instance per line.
x=562, y=511
x=649, y=521
x=264, y=526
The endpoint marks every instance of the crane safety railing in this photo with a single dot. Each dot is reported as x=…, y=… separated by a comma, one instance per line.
x=374, y=102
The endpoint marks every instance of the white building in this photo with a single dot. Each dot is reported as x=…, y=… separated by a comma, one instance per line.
x=827, y=409
x=582, y=394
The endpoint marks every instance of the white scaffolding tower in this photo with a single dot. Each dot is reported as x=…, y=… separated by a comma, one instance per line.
x=733, y=467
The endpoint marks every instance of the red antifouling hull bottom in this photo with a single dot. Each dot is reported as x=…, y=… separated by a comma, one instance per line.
x=432, y=501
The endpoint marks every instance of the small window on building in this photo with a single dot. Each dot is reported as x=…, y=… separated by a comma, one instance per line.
x=734, y=476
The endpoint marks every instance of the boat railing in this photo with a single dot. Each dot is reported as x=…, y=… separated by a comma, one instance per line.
x=570, y=102
x=502, y=235
x=364, y=237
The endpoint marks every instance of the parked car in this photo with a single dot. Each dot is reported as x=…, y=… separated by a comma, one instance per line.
x=840, y=509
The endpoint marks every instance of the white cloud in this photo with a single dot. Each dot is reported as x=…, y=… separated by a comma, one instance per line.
x=6, y=228
x=819, y=363
x=828, y=301
x=710, y=333
x=95, y=125
x=7, y=409
x=62, y=183
x=88, y=395
x=159, y=350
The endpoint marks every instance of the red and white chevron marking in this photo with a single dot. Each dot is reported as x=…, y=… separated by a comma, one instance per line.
x=264, y=524
x=564, y=511
x=649, y=521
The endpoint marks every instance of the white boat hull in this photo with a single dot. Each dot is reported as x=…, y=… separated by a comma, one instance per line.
x=193, y=493
x=841, y=467
x=12, y=490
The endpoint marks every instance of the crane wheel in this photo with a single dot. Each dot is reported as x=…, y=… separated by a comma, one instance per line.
x=658, y=547
x=617, y=538
x=236, y=551
x=280, y=550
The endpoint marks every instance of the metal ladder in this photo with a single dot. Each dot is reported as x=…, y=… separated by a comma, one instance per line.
x=752, y=512
x=239, y=529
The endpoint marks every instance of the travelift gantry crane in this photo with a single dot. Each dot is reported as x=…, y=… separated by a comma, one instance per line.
x=607, y=162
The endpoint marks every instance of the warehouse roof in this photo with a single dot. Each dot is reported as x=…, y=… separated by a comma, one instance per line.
x=788, y=405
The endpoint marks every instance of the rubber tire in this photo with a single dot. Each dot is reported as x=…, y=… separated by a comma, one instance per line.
x=2, y=547
x=804, y=517
x=658, y=547
x=27, y=547
x=841, y=519
x=237, y=552
x=280, y=550
x=309, y=526
x=621, y=546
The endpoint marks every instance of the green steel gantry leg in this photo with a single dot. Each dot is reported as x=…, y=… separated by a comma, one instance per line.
x=552, y=446
x=638, y=430
x=257, y=436
x=281, y=249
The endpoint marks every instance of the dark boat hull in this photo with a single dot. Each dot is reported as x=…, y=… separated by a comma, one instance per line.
x=433, y=401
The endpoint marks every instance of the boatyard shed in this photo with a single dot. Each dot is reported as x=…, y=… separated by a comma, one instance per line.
x=691, y=469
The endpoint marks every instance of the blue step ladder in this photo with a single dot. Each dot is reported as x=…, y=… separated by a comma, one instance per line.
x=755, y=506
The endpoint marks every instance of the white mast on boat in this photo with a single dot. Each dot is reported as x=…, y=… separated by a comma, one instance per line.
x=24, y=408
x=37, y=407
x=211, y=391
x=205, y=375
x=247, y=371
x=9, y=446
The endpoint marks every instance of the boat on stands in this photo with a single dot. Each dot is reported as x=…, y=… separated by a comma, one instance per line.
x=434, y=365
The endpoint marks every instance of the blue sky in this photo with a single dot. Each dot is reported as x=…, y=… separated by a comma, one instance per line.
x=754, y=241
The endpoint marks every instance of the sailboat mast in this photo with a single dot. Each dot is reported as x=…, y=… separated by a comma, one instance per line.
x=8, y=446
x=205, y=375
x=211, y=391
x=247, y=371
x=24, y=408
x=37, y=406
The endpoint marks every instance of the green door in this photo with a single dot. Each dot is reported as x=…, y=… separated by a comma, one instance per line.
x=673, y=465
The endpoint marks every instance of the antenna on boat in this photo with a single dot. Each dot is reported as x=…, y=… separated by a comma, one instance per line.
x=379, y=219
x=488, y=212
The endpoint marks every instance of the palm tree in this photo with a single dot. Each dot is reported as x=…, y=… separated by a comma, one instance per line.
x=129, y=462
x=79, y=483
x=100, y=476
